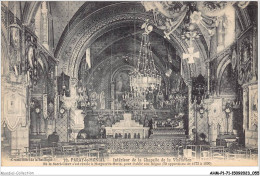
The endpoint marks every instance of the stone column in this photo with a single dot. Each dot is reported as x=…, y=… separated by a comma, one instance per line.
x=252, y=113
x=220, y=33
x=251, y=133
x=45, y=28
x=56, y=96
x=73, y=87
x=191, y=114
x=230, y=122
x=42, y=124
x=34, y=122
x=112, y=96
x=75, y=119
x=245, y=108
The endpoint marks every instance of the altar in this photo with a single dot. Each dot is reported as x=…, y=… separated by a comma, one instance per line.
x=127, y=129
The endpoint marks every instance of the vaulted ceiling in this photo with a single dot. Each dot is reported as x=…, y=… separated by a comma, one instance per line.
x=113, y=28
x=62, y=12
x=116, y=27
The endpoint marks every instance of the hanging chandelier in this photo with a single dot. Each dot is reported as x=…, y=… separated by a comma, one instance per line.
x=145, y=77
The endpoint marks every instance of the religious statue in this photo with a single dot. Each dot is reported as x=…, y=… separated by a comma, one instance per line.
x=153, y=123
x=150, y=97
x=108, y=122
x=160, y=100
x=122, y=85
x=102, y=100
x=146, y=122
x=102, y=132
x=93, y=100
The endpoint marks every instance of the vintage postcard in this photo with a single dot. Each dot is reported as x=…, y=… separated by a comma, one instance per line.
x=129, y=83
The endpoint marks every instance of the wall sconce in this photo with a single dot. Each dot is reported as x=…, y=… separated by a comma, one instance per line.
x=62, y=110
x=168, y=73
x=37, y=110
x=63, y=89
x=201, y=110
x=236, y=104
x=228, y=109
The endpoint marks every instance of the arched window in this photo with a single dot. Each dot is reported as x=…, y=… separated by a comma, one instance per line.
x=42, y=20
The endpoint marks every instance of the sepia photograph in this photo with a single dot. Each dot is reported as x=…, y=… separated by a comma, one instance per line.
x=130, y=84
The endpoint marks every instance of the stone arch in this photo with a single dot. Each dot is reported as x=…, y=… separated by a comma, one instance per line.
x=220, y=70
x=42, y=59
x=30, y=10
x=70, y=55
x=124, y=67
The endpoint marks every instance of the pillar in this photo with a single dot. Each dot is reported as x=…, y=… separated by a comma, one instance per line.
x=56, y=96
x=45, y=28
x=41, y=124
x=191, y=114
x=245, y=108
x=112, y=96
x=251, y=130
x=34, y=122
x=75, y=116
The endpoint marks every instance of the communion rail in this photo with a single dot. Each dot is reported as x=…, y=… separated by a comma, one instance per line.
x=135, y=146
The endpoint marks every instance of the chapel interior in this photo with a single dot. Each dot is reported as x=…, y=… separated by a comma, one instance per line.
x=139, y=78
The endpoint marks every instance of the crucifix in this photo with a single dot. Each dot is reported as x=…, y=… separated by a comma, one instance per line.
x=200, y=89
x=191, y=55
x=145, y=103
x=228, y=111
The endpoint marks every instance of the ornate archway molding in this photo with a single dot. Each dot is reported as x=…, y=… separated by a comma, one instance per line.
x=74, y=45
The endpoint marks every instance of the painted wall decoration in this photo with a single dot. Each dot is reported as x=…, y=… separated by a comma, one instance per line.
x=14, y=109
x=245, y=61
x=122, y=84
x=228, y=83
x=45, y=105
x=253, y=108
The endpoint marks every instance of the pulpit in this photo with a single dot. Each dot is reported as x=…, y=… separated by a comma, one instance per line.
x=127, y=128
